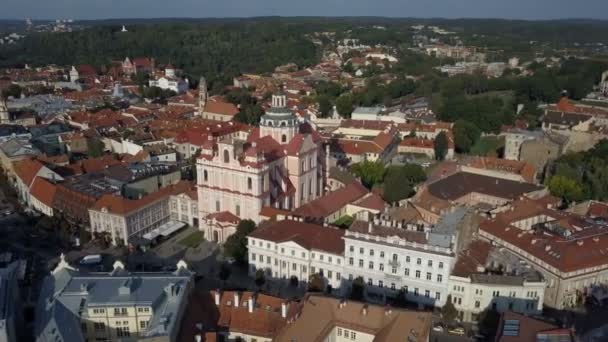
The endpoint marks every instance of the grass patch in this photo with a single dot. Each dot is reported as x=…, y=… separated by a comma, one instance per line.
x=488, y=146
x=344, y=222
x=192, y=240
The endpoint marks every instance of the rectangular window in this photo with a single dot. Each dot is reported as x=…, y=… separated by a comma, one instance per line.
x=418, y=274
x=360, y=262
x=418, y=261
x=99, y=326
x=371, y=252
x=238, y=210
x=437, y=296
x=394, y=270
x=339, y=331
x=477, y=304
x=217, y=206
x=407, y=258
x=350, y=261
x=143, y=324
x=371, y=265
x=440, y=264
x=428, y=276
x=407, y=272
x=430, y=263
x=427, y=293
x=381, y=267
x=439, y=278
x=123, y=332
x=381, y=254
x=338, y=276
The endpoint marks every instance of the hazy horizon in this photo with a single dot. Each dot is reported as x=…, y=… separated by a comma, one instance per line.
x=200, y=9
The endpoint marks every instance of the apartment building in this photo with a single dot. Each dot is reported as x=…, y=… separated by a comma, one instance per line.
x=392, y=258
x=569, y=250
x=127, y=219
x=330, y=319
x=485, y=277
x=115, y=306
x=293, y=249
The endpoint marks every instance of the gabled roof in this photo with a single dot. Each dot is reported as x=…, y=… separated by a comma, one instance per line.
x=27, y=169
x=332, y=201
x=307, y=235
x=221, y=108
x=44, y=191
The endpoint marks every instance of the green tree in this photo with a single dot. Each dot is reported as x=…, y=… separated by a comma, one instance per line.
x=345, y=105
x=325, y=106
x=316, y=283
x=13, y=90
x=466, y=135
x=448, y=311
x=224, y=273
x=95, y=148
x=565, y=188
x=441, y=145
x=370, y=172
x=399, y=181
x=236, y=245
x=357, y=289
x=260, y=278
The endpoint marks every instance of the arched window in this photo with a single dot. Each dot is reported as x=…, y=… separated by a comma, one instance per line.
x=249, y=183
x=205, y=176
x=283, y=123
x=269, y=123
x=226, y=156
x=283, y=138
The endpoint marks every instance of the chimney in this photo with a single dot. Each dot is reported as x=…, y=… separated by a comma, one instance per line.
x=217, y=297
x=284, y=310
x=236, y=299
x=250, y=304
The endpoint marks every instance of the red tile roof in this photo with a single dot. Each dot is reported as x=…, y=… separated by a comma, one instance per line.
x=122, y=206
x=332, y=201
x=44, y=191
x=221, y=108
x=307, y=235
x=27, y=169
x=224, y=216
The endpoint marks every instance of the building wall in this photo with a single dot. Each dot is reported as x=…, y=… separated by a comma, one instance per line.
x=373, y=261
x=473, y=298
x=184, y=209
x=288, y=259
x=539, y=153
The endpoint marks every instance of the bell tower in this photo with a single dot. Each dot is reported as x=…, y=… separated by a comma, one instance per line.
x=202, y=95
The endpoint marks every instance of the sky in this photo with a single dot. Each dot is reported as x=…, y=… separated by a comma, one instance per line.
x=104, y=9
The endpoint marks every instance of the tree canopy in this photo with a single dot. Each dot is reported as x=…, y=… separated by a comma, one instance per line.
x=236, y=245
x=441, y=146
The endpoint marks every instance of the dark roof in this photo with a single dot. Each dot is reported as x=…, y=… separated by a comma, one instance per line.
x=568, y=119
x=462, y=183
x=307, y=235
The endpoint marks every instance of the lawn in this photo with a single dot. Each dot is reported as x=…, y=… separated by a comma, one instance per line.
x=192, y=240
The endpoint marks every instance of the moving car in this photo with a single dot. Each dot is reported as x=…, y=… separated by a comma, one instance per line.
x=457, y=331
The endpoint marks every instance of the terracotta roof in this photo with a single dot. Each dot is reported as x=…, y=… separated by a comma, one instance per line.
x=460, y=184
x=224, y=216
x=332, y=201
x=474, y=256
x=584, y=246
x=528, y=329
x=307, y=235
x=320, y=315
x=27, y=169
x=371, y=201
x=221, y=108
x=122, y=206
x=44, y=191
x=523, y=168
x=271, y=212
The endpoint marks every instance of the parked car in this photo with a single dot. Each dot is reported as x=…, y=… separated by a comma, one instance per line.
x=438, y=327
x=92, y=259
x=456, y=331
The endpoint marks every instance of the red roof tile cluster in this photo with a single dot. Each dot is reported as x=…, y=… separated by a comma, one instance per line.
x=224, y=216
x=44, y=191
x=526, y=170
x=332, y=201
x=27, y=169
x=221, y=108
x=307, y=235
x=122, y=206
x=576, y=244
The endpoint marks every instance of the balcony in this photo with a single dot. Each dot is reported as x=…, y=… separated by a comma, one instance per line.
x=394, y=263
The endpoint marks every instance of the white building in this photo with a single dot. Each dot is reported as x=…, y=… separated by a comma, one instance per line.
x=184, y=207
x=391, y=258
x=125, y=219
x=292, y=249
x=474, y=289
x=170, y=81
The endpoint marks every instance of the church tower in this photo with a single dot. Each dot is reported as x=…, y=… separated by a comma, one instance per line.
x=279, y=121
x=202, y=95
x=4, y=115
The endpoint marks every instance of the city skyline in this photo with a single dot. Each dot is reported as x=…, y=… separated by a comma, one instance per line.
x=108, y=9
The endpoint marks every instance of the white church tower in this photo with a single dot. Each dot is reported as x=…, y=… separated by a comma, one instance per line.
x=279, y=121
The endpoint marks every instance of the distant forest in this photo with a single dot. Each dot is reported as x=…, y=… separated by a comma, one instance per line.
x=223, y=48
